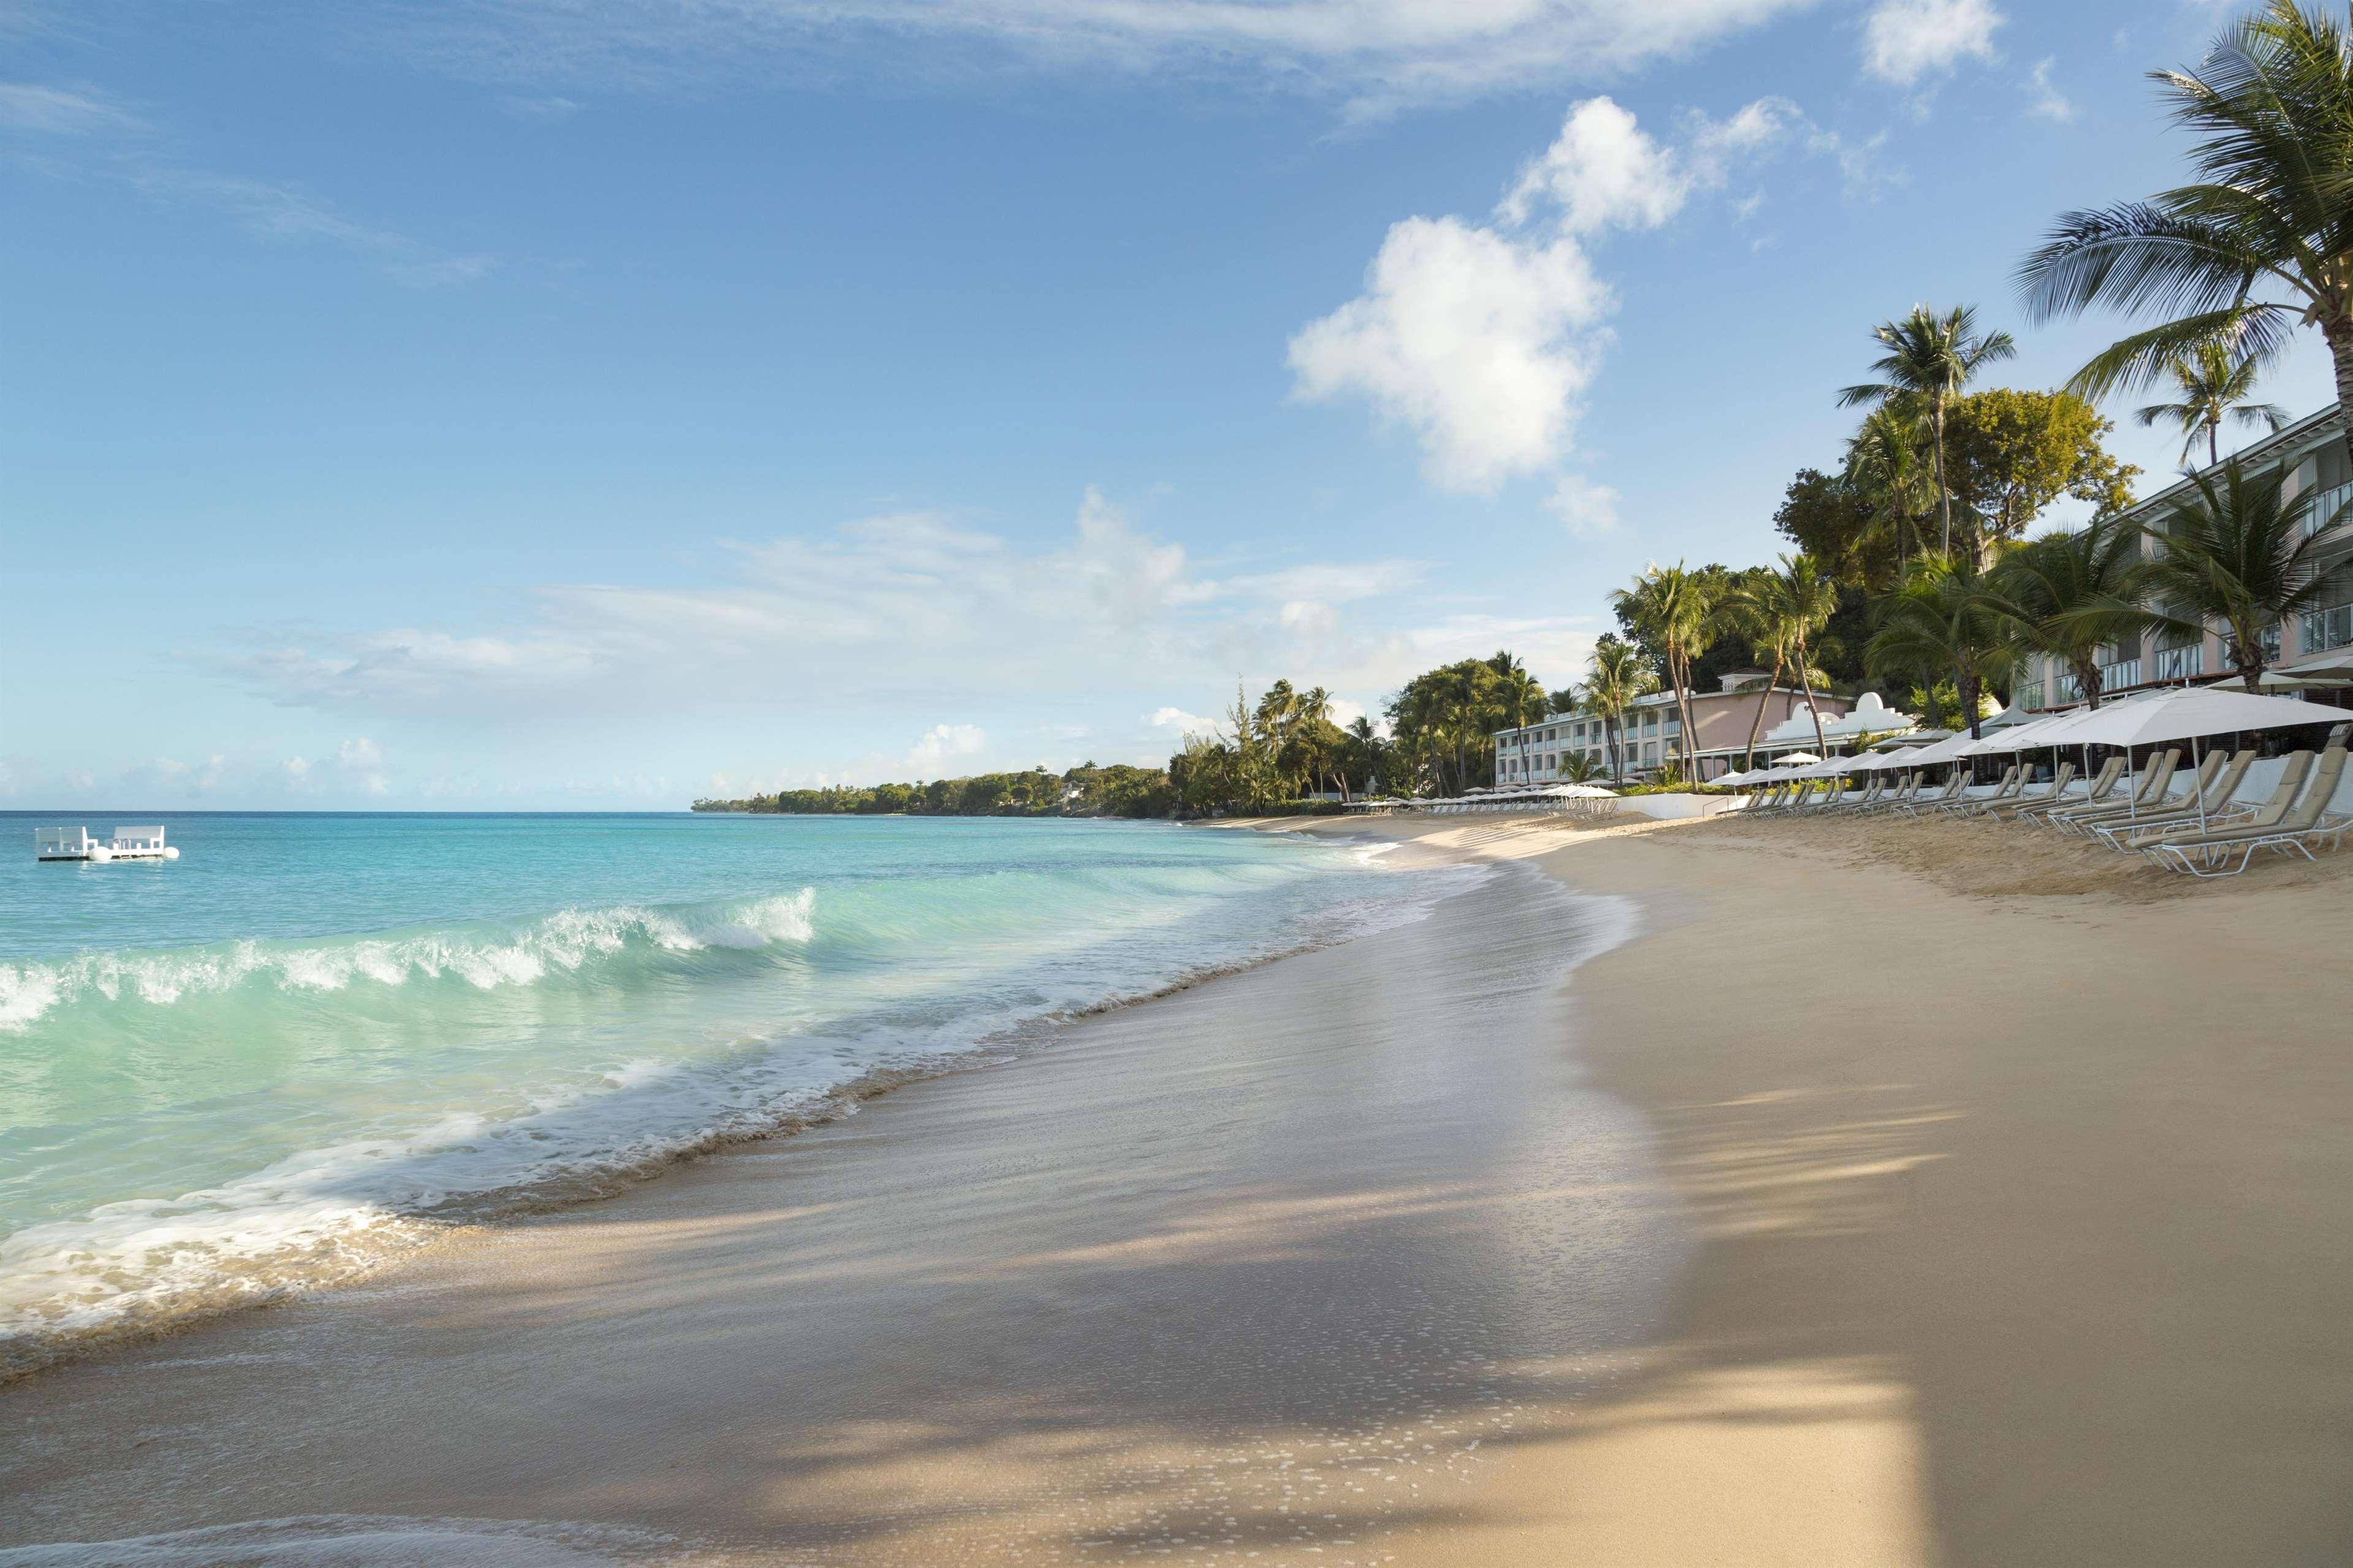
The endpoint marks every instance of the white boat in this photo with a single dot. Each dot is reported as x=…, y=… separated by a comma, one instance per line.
x=76, y=844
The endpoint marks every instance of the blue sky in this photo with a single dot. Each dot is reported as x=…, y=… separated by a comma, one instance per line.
x=509, y=404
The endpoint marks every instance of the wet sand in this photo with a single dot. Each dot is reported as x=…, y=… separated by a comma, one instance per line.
x=2025, y=1182
x=1961, y=1215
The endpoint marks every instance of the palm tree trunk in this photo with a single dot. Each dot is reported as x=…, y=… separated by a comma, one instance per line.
x=2087, y=676
x=1756, y=725
x=2213, y=446
x=2338, y=330
x=1965, y=687
x=1806, y=680
x=1943, y=493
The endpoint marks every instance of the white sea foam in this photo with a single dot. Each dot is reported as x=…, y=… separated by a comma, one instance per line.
x=565, y=942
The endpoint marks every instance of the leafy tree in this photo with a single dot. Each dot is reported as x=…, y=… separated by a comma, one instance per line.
x=2210, y=382
x=1614, y=678
x=1931, y=358
x=2070, y=595
x=2256, y=246
x=1675, y=609
x=1893, y=481
x=2011, y=454
x=1782, y=612
x=2238, y=551
x=1943, y=621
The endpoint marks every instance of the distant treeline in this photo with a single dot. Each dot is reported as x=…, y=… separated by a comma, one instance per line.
x=1085, y=791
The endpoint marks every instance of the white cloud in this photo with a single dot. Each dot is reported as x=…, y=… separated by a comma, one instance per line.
x=1376, y=54
x=1582, y=506
x=942, y=742
x=2048, y=100
x=360, y=754
x=1480, y=340
x=1904, y=40
x=891, y=610
x=1176, y=719
x=1475, y=340
x=60, y=111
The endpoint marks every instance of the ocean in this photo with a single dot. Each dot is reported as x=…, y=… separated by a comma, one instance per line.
x=314, y=1040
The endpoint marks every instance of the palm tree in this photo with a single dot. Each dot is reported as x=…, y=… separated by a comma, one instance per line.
x=1673, y=608
x=2240, y=554
x=1579, y=767
x=1782, y=612
x=2069, y=595
x=1615, y=677
x=1931, y=358
x=2211, y=382
x=2272, y=111
x=1885, y=462
x=1943, y=620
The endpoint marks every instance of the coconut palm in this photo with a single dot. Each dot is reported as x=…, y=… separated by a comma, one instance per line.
x=1885, y=462
x=1943, y=621
x=2257, y=246
x=1579, y=767
x=2211, y=382
x=2070, y=596
x=1931, y=358
x=1782, y=612
x=1673, y=608
x=1614, y=678
x=2239, y=552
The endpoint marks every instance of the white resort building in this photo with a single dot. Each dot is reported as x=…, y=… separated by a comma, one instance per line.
x=1537, y=754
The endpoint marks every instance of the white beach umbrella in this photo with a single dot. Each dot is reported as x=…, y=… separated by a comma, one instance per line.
x=2336, y=669
x=2192, y=712
x=1796, y=760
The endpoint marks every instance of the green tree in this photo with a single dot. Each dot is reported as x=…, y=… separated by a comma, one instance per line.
x=1783, y=612
x=2070, y=595
x=2211, y=382
x=1931, y=358
x=1674, y=608
x=1941, y=622
x=1893, y=481
x=2011, y=454
x=2256, y=245
x=1614, y=678
x=2239, y=551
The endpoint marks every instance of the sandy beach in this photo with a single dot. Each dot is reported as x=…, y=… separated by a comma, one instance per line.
x=1715, y=1193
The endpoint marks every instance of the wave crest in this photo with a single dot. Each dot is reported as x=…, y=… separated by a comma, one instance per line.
x=485, y=958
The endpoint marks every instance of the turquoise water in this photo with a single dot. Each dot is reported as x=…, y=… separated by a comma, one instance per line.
x=313, y=1037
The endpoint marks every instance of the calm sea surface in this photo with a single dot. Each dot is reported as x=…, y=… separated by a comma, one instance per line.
x=314, y=1036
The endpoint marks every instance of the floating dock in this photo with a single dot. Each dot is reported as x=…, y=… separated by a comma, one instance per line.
x=76, y=844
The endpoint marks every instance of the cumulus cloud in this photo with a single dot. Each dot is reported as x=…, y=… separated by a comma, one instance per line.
x=1184, y=724
x=1481, y=338
x=1905, y=40
x=941, y=744
x=1373, y=54
x=361, y=753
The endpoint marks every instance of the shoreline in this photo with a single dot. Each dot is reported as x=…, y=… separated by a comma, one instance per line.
x=1066, y=1297
x=1724, y=1249
x=267, y=1281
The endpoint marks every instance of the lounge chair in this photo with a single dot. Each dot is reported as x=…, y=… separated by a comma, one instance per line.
x=2309, y=822
x=2210, y=807
x=1899, y=796
x=2054, y=792
x=2102, y=784
x=2149, y=795
x=1871, y=790
x=1953, y=788
x=1965, y=805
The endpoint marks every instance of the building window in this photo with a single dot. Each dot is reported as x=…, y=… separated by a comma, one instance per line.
x=2331, y=627
x=2029, y=696
x=2118, y=671
x=2182, y=662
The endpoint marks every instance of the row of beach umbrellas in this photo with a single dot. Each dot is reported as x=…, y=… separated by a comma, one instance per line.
x=2188, y=713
